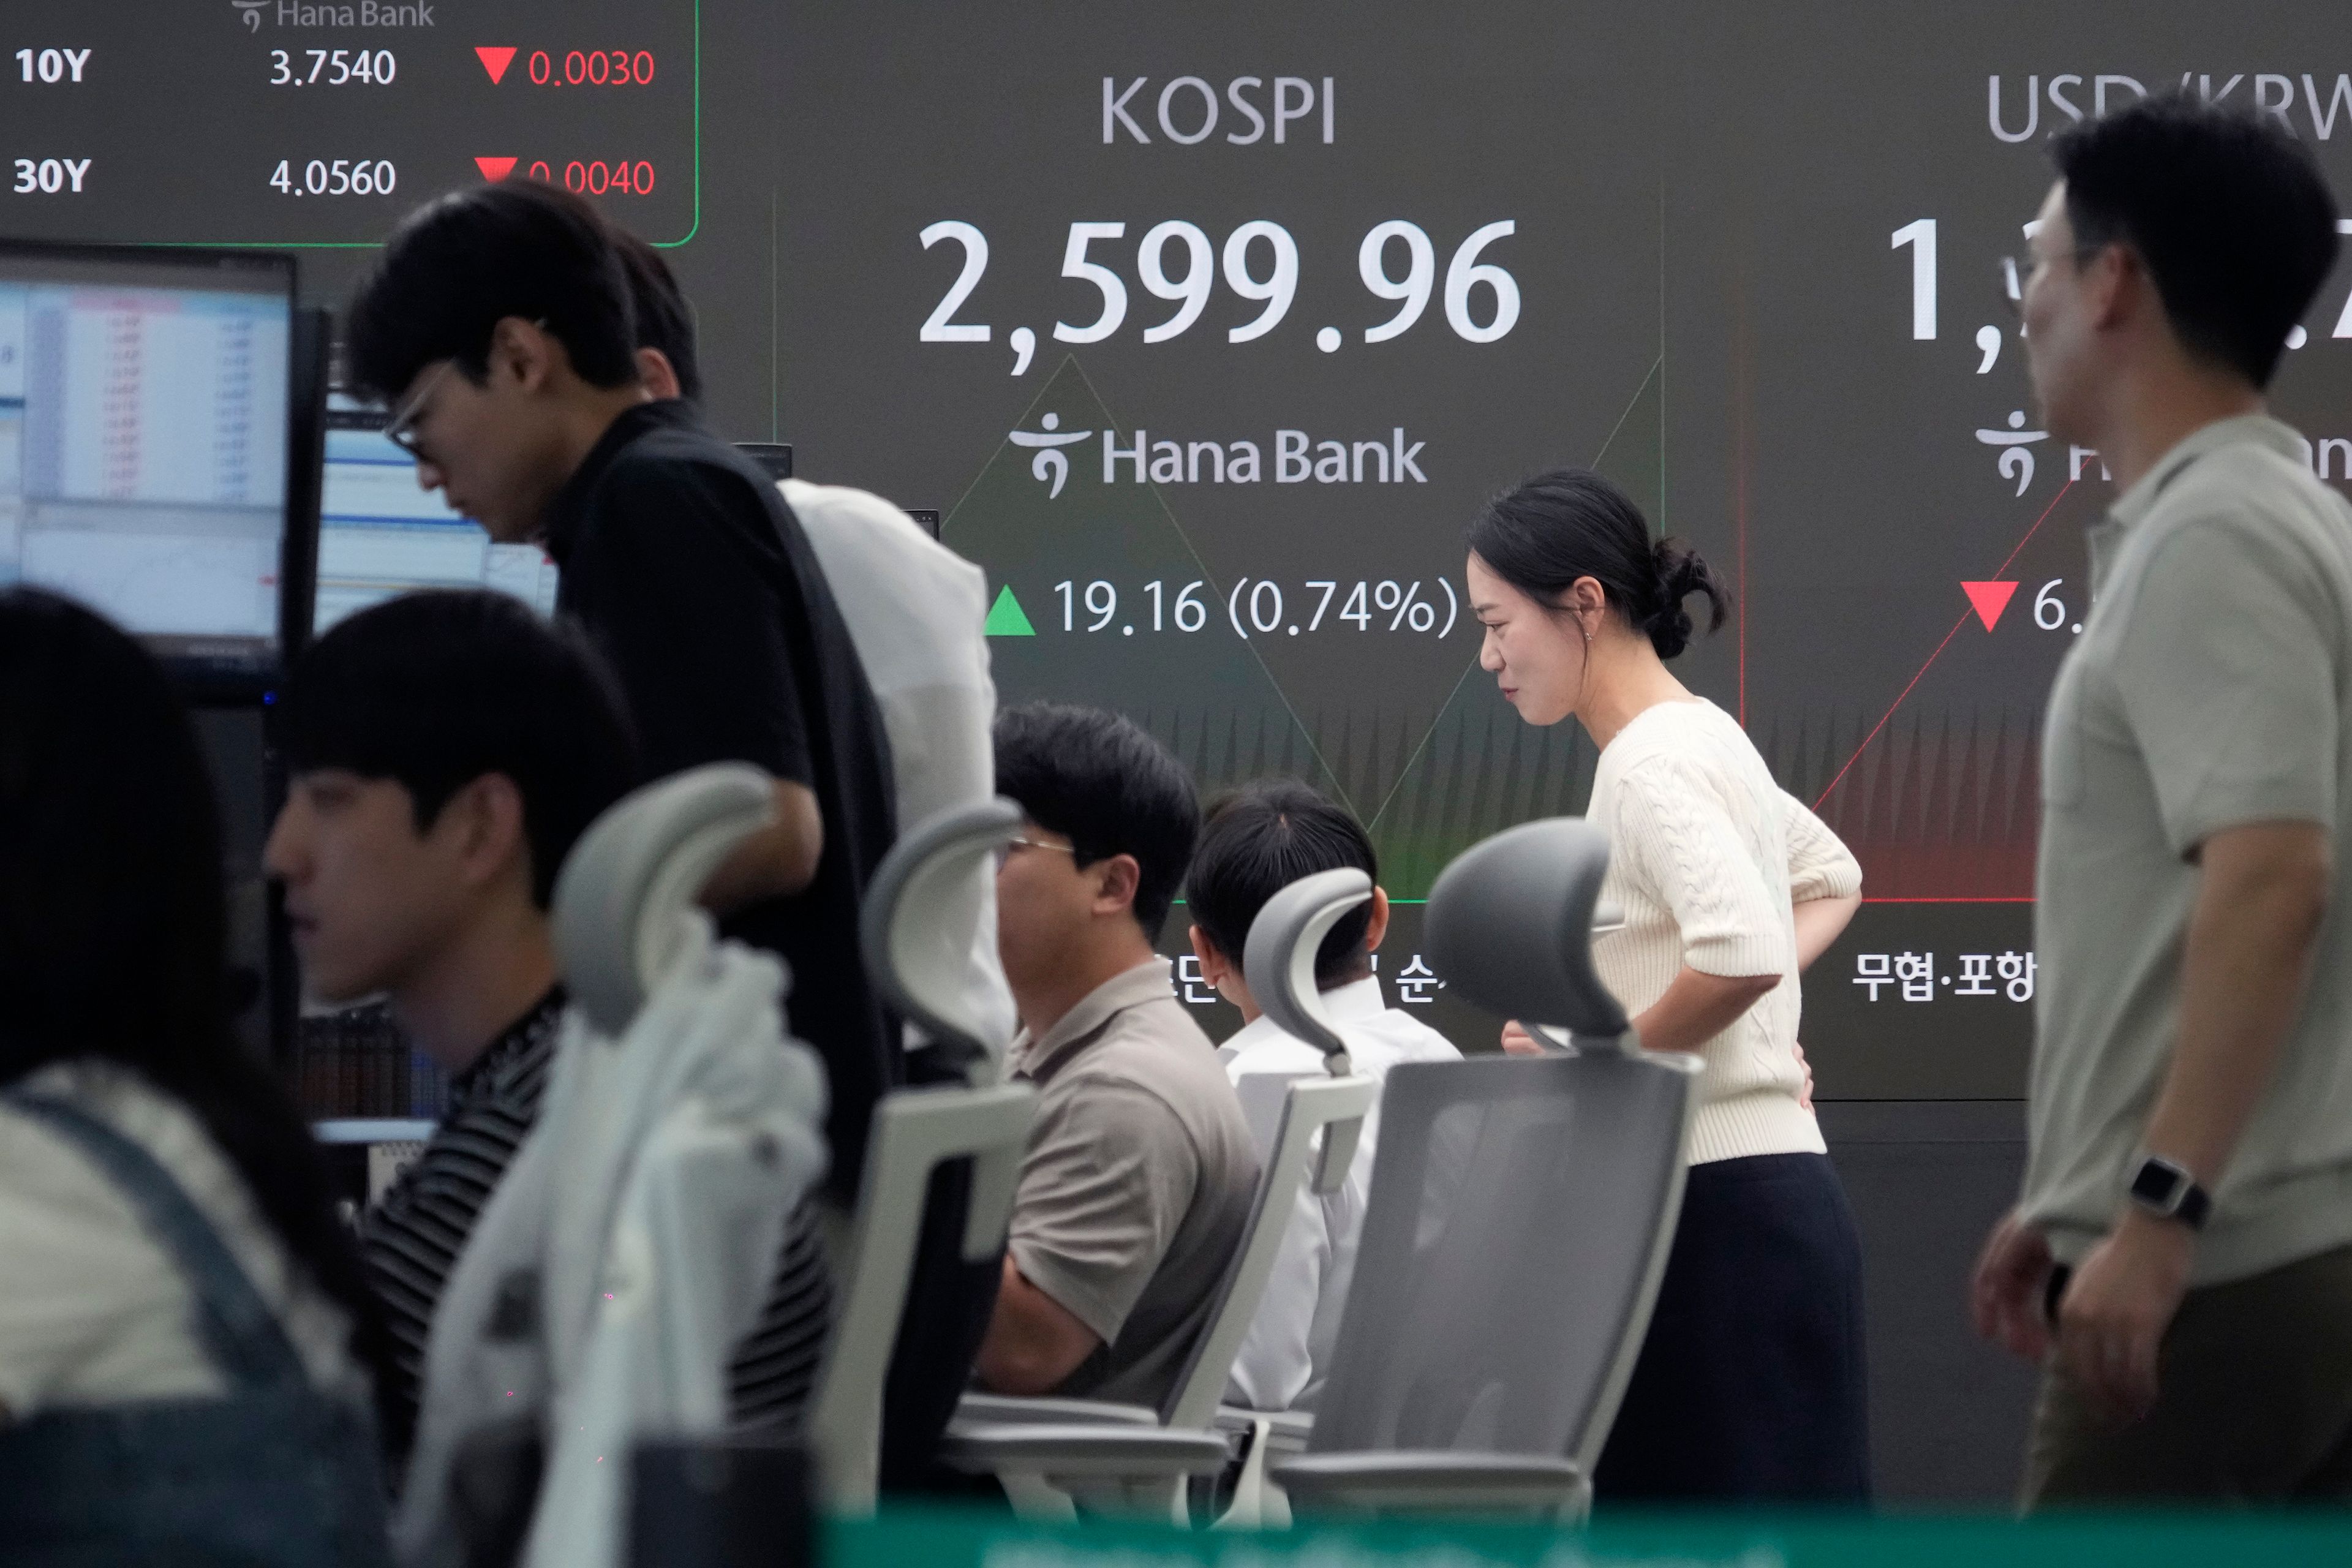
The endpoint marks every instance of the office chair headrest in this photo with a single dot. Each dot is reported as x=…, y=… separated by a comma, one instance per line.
x=624, y=897
x=915, y=968
x=1510, y=927
x=1278, y=958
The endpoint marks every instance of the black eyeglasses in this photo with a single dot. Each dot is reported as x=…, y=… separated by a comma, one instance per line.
x=401, y=428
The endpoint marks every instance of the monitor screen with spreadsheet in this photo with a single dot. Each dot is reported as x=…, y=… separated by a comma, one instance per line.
x=380, y=533
x=146, y=415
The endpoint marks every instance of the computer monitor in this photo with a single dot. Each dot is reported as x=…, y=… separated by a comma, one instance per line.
x=775, y=457
x=381, y=534
x=148, y=427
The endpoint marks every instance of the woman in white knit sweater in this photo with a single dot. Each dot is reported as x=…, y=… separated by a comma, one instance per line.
x=1750, y=1385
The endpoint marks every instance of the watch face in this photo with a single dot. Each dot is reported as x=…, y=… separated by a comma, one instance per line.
x=2159, y=1185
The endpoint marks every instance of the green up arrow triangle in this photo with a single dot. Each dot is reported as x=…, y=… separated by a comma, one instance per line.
x=1006, y=618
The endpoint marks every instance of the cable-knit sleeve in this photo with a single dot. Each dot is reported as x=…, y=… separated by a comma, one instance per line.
x=1675, y=834
x=1820, y=865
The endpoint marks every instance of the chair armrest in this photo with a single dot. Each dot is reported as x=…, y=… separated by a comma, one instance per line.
x=1019, y=1409
x=1082, y=1452
x=1433, y=1481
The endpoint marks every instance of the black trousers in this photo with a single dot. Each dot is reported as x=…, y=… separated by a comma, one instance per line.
x=1751, y=1386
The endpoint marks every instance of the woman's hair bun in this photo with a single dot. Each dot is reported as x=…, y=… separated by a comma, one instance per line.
x=1562, y=527
x=1680, y=572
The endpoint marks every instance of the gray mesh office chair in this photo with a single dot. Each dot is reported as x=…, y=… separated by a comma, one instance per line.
x=671, y=1149
x=1047, y=1452
x=1521, y=1213
x=916, y=965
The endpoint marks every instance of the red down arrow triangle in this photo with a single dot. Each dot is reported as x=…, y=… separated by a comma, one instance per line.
x=1990, y=599
x=495, y=60
x=496, y=169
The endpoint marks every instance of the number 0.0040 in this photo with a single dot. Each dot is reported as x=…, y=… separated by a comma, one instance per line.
x=599, y=178
x=336, y=177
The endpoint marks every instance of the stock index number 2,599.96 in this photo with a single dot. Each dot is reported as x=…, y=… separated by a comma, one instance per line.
x=1260, y=262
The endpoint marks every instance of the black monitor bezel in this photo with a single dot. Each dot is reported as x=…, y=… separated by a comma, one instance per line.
x=240, y=681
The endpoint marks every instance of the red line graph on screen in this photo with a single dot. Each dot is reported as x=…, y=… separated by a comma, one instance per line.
x=2006, y=864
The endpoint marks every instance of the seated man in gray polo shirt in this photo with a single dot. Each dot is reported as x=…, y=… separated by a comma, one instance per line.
x=2185, y=1238
x=1136, y=1185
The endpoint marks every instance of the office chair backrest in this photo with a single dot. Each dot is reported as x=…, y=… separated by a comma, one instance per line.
x=1521, y=1208
x=914, y=1130
x=1265, y=1096
x=1322, y=1120
x=625, y=894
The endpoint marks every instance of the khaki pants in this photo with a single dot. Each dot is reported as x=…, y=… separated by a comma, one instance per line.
x=2254, y=1402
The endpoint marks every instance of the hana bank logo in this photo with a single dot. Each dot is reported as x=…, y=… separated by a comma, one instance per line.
x=1051, y=463
x=251, y=11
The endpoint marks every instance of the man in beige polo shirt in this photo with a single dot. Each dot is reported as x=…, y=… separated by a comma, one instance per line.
x=1136, y=1185
x=2182, y=1256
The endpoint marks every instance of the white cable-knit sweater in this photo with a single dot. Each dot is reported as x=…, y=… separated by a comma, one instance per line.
x=1707, y=856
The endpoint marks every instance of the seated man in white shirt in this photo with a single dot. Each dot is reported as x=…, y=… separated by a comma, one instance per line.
x=1256, y=843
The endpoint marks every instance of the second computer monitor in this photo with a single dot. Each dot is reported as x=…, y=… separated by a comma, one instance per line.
x=381, y=534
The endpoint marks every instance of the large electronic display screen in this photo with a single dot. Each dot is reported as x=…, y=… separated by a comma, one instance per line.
x=1207, y=329
x=1218, y=326
x=290, y=123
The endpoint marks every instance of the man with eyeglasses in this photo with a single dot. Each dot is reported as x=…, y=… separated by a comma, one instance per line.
x=2181, y=1259
x=1137, y=1184
x=498, y=326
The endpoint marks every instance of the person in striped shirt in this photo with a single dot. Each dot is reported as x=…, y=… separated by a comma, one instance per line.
x=445, y=751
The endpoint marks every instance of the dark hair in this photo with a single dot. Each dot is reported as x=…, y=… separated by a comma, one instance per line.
x=461, y=264
x=435, y=689
x=1258, y=840
x=1570, y=524
x=664, y=320
x=113, y=924
x=2230, y=214
x=1110, y=787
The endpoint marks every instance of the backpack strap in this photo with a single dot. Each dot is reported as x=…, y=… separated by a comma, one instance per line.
x=233, y=1323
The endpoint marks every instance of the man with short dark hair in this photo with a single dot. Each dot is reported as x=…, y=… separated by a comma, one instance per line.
x=1136, y=1188
x=2187, y=1219
x=445, y=751
x=499, y=325
x=1254, y=843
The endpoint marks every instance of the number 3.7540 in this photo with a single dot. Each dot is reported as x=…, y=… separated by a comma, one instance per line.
x=333, y=68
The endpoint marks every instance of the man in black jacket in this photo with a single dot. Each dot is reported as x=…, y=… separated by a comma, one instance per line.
x=498, y=328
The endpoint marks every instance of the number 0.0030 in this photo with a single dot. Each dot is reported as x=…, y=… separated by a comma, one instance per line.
x=336, y=177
